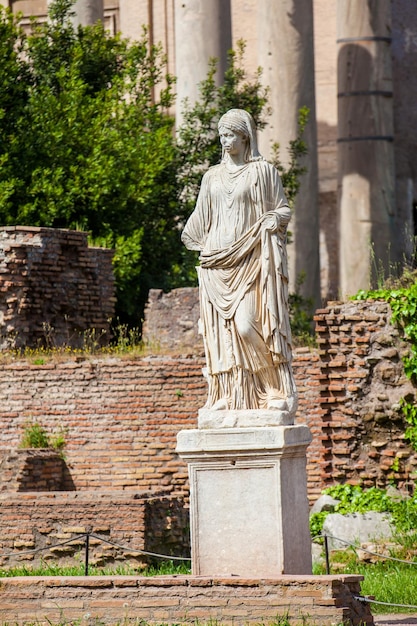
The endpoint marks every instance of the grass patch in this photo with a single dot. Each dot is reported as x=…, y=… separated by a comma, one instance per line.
x=388, y=581
x=164, y=568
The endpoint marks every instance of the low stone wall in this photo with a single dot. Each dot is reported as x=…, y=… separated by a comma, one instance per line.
x=136, y=521
x=324, y=600
x=32, y=470
x=54, y=289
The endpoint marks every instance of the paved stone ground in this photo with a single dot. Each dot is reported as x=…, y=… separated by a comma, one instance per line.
x=396, y=619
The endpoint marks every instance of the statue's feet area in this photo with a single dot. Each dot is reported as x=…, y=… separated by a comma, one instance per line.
x=244, y=418
x=284, y=404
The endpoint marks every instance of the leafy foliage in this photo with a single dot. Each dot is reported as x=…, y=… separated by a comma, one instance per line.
x=409, y=410
x=301, y=315
x=86, y=144
x=36, y=436
x=355, y=499
x=291, y=175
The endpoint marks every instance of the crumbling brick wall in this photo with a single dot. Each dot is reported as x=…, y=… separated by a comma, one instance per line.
x=362, y=382
x=171, y=320
x=53, y=288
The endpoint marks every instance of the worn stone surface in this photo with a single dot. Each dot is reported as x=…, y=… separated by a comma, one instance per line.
x=208, y=418
x=356, y=528
x=324, y=503
x=171, y=320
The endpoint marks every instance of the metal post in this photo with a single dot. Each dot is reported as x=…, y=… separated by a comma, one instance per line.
x=87, y=546
x=326, y=552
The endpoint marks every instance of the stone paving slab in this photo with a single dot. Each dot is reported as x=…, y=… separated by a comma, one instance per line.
x=396, y=619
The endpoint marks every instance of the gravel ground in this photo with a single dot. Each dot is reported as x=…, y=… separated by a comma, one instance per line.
x=394, y=619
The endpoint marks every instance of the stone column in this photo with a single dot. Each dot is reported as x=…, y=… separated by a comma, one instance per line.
x=88, y=12
x=202, y=31
x=365, y=143
x=286, y=54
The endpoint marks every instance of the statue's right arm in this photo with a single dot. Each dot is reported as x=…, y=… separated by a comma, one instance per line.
x=195, y=231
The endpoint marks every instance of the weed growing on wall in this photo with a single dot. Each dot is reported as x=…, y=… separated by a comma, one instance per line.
x=36, y=436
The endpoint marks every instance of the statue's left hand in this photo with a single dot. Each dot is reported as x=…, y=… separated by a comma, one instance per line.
x=270, y=221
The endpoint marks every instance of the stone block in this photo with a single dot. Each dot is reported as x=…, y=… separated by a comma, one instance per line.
x=248, y=500
x=356, y=528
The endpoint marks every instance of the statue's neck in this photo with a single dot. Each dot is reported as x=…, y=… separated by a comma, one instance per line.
x=234, y=163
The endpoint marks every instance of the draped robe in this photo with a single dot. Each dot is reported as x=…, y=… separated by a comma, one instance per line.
x=243, y=281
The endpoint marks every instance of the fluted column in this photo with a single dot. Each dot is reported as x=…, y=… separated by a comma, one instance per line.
x=365, y=143
x=202, y=31
x=286, y=54
x=88, y=12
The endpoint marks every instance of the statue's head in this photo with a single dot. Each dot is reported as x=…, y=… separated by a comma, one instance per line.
x=242, y=122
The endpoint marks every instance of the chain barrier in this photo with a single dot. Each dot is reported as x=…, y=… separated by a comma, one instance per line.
x=365, y=599
x=371, y=600
x=86, y=536
x=355, y=547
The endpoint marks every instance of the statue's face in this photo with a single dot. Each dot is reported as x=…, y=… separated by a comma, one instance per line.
x=232, y=142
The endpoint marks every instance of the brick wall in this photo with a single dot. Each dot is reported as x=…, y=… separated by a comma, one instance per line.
x=362, y=380
x=53, y=288
x=31, y=470
x=123, y=416
x=42, y=521
x=323, y=600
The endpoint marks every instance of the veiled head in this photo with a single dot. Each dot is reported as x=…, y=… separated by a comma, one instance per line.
x=240, y=121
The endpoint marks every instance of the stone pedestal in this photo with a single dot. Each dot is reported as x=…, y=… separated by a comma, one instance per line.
x=248, y=500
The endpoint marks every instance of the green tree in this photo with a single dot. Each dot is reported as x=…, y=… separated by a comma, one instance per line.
x=88, y=146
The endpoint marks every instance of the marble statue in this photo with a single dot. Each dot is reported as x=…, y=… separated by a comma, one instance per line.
x=239, y=226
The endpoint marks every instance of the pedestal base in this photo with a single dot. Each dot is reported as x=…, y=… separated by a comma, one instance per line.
x=248, y=500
